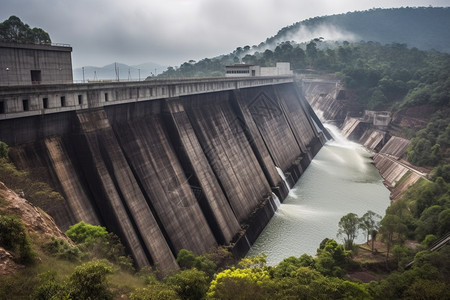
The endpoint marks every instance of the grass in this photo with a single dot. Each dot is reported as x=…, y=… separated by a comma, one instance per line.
x=404, y=177
x=37, y=192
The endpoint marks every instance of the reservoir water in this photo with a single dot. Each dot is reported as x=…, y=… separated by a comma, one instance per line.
x=340, y=179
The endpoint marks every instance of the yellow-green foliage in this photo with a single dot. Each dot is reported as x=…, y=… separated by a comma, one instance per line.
x=96, y=242
x=249, y=283
x=86, y=233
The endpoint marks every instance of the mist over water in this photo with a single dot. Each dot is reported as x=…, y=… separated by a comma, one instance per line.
x=339, y=180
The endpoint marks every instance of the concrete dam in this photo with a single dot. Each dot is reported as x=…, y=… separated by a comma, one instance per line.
x=165, y=164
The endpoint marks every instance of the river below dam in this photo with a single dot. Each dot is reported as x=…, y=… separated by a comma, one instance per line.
x=340, y=179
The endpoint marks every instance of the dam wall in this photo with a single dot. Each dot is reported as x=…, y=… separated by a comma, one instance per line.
x=185, y=171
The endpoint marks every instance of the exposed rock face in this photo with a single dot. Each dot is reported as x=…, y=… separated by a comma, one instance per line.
x=186, y=172
x=7, y=264
x=36, y=222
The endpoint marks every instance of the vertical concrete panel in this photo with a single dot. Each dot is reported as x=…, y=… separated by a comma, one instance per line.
x=260, y=149
x=153, y=161
x=271, y=122
x=297, y=116
x=68, y=178
x=218, y=210
x=229, y=153
x=125, y=204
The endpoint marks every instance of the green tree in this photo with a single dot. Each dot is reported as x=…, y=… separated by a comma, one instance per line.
x=369, y=223
x=88, y=281
x=331, y=259
x=96, y=242
x=189, y=284
x=443, y=222
x=14, y=30
x=86, y=233
x=392, y=229
x=241, y=284
x=187, y=260
x=311, y=52
x=348, y=227
x=428, y=289
x=428, y=222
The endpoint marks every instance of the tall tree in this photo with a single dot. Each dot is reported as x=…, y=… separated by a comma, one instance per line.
x=348, y=227
x=368, y=222
x=392, y=229
x=14, y=30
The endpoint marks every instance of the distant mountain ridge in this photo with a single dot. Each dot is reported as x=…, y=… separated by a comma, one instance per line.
x=119, y=71
x=426, y=28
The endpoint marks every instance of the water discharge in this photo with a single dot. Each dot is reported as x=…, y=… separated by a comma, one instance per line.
x=280, y=172
x=339, y=180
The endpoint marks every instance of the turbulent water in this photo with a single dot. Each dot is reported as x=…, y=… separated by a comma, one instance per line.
x=339, y=180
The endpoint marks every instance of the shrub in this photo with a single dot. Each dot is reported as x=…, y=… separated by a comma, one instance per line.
x=14, y=237
x=4, y=150
x=89, y=281
x=189, y=284
x=63, y=249
x=96, y=242
x=86, y=233
x=49, y=288
x=188, y=260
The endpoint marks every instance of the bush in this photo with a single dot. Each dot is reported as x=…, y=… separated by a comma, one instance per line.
x=63, y=249
x=97, y=242
x=189, y=284
x=14, y=237
x=86, y=233
x=155, y=292
x=49, y=288
x=4, y=150
x=89, y=281
x=188, y=260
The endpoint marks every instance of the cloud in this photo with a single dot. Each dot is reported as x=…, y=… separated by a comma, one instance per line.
x=327, y=31
x=173, y=31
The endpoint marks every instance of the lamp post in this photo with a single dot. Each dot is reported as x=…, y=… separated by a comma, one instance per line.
x=7, y=75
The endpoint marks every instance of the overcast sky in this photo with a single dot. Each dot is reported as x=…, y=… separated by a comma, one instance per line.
x=170, y=32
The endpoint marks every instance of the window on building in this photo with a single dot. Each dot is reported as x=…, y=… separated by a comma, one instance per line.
x=25, y=105
x=63, y=101
x=80, y=99
x=2, y=107
x=35, y=76
x=106, y=97
x=45, y=102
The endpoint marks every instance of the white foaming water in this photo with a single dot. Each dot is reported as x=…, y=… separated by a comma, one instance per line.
x=339, y=180
x=276, y=200
x=281, y=173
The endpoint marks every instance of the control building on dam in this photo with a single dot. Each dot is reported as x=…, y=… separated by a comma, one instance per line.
x=164, y=164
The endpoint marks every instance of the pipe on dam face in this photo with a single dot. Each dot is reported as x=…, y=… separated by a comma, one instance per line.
x=187, y=172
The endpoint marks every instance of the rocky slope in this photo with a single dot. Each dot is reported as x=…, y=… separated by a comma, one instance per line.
x=39, y=225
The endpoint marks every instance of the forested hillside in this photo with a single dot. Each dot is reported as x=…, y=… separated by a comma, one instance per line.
x=425, y=28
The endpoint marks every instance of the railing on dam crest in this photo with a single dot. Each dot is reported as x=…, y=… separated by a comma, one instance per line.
x=24, y=101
